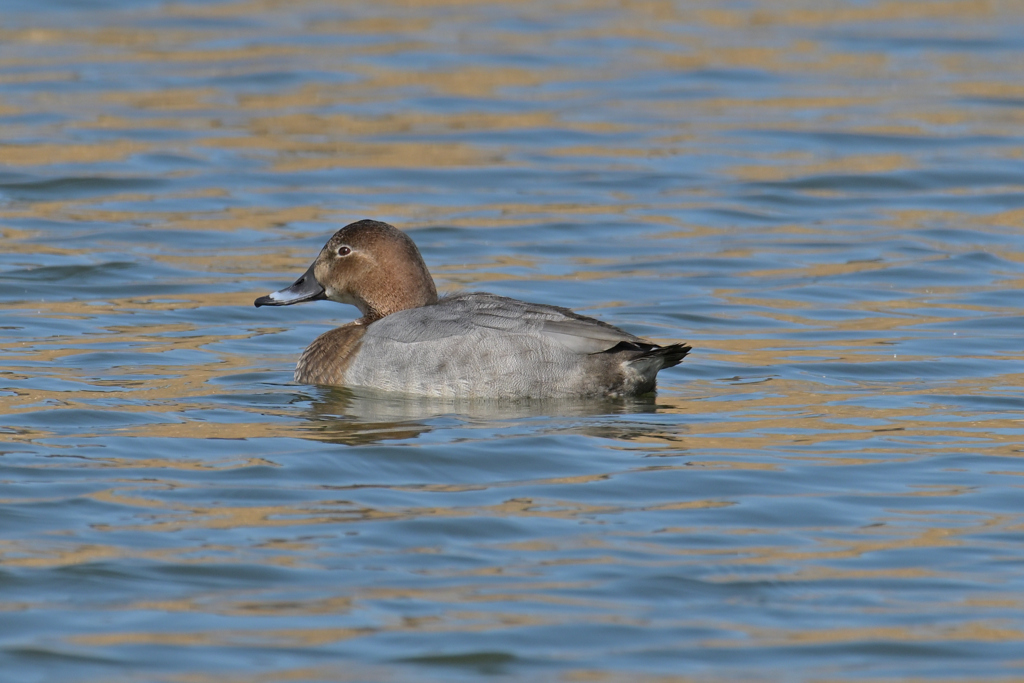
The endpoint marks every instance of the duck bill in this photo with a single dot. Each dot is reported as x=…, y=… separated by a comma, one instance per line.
x=306, y=288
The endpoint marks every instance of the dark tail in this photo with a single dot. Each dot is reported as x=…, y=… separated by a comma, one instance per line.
x=652, y=355
x=670, y=355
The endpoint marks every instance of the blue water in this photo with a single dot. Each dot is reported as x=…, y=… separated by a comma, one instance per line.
x=827, y=203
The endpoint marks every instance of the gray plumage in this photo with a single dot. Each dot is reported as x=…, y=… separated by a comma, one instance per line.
x=482, y=345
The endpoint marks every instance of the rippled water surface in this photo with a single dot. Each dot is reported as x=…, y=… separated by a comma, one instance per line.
x=825, y=200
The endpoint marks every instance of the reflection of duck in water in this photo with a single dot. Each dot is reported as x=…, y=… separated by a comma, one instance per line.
x=463, y=345
x=358, y=416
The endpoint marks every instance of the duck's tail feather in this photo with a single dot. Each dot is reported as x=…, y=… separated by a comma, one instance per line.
x=651, y=356
x=667, y=356
x=673, y=354
x=642, y=369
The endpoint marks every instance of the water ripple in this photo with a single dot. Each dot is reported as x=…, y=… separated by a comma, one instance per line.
x=826, y=202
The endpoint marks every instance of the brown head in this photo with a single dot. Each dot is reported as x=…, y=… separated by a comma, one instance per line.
x=369, y=264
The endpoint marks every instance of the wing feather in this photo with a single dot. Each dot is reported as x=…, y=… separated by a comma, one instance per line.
x=478, y=313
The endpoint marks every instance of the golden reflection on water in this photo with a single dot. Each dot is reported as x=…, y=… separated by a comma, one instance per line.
x=295, y=140
x=294, y=130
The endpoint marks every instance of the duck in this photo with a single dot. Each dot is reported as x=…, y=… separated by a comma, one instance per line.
x=463, y=345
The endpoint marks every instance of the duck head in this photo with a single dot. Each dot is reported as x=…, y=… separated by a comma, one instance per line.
x=368, y=264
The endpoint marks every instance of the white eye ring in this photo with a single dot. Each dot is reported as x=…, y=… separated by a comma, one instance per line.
x=344, y=251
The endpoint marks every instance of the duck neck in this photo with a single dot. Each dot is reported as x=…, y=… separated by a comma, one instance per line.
x=418, y=290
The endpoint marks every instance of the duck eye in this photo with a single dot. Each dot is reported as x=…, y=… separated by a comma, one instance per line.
x=344, y=251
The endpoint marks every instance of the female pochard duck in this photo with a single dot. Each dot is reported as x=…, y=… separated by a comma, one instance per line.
x=463, y=345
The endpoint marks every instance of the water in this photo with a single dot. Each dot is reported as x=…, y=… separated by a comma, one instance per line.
x=828, y=203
